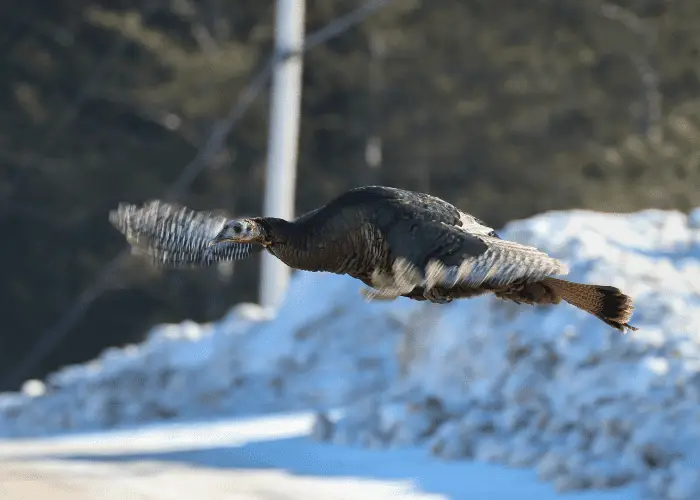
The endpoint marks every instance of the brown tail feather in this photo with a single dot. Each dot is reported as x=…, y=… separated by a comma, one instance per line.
x=605, y=302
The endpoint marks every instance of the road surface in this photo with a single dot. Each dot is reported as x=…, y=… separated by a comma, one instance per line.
x=247, y=459
x=232, y=460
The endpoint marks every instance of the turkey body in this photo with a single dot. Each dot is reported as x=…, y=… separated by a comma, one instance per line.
x=399, y=243
x=366, y=229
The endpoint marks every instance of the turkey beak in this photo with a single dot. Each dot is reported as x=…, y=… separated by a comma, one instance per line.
x=236, y=232
x=227, y=234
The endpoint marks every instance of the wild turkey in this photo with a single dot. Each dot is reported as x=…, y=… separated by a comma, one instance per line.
x=399, y=243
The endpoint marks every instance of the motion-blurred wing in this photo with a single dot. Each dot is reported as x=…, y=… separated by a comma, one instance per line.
x=431, y=253
x=173, y=235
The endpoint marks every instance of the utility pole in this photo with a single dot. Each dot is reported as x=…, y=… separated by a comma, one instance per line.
x=283, y=139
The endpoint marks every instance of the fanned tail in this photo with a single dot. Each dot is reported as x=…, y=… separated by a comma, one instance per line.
x=605, y=302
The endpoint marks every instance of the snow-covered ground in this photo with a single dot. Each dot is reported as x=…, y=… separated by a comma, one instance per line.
x=251, y=459
x=550, y=389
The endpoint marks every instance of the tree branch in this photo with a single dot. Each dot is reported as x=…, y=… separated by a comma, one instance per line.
x=651, y=125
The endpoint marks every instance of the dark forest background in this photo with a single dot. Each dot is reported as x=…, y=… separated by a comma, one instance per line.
x=506, y=108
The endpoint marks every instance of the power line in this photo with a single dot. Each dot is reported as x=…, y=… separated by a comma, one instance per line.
x=217, y=137
x=342, y=24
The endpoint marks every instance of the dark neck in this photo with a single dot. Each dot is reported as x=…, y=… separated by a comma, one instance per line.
x=277, y=230
x=290, y=243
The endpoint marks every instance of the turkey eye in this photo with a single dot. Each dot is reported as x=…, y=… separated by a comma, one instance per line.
x=237, y=229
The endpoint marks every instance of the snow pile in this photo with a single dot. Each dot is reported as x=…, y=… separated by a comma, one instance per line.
x=554, y=388
x=326, y=347
x=551, y=388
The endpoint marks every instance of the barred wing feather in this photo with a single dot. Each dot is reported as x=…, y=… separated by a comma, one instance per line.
x=172, y=235
x=431, y=253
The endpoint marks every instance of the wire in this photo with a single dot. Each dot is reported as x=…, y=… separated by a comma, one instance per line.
x=342, y=24
x=217, y=137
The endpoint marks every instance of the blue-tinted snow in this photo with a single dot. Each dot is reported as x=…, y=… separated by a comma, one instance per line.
x=552, y=389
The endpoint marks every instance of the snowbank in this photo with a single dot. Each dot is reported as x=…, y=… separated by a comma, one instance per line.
x=550, y=388
x=325, y=348
x=554, y=388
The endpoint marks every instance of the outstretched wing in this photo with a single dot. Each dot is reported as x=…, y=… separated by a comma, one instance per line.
x=432, y=253
x=175, y=236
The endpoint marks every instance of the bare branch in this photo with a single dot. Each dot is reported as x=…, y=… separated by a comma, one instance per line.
x=204, y=158
x=642, y=61
x=172, y=122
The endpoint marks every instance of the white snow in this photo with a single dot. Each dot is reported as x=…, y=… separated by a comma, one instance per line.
x=317, y=353
x=550, y=389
